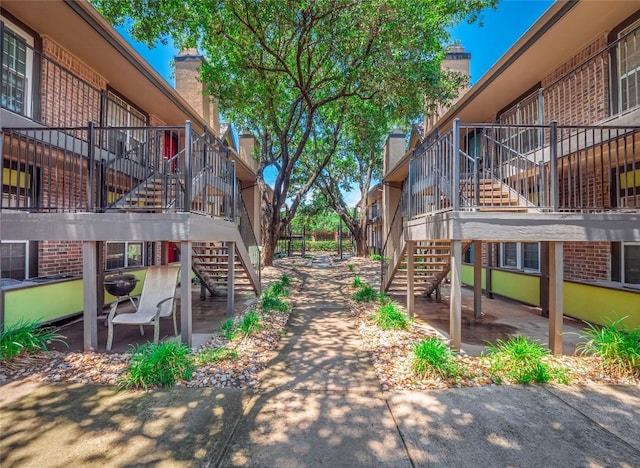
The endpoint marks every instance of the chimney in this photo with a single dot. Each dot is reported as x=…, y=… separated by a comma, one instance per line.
x=456, y=59
x=191, y=88
x=248, y=145
x=393, y=149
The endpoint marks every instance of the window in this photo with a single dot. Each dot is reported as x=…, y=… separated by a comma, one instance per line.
x=631, y=263
x=629, y=67
x=17, y=65
x=124, y=255
x=520, y=256
x=14, y=259
x=126, y=142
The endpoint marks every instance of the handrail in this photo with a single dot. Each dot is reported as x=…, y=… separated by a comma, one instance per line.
x=393, y=242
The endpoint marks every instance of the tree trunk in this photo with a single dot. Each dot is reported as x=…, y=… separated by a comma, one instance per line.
x=361, y=245
x=268, y=250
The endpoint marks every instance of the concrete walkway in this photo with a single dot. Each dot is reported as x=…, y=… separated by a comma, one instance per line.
x=320, y=404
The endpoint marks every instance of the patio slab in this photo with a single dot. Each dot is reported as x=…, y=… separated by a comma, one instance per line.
x=87, y=425
x=514, y=426
x=207, y=316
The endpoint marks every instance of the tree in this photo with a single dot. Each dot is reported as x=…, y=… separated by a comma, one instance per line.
x=284, y=69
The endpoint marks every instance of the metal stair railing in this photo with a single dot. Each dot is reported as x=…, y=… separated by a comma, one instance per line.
x=393, y=248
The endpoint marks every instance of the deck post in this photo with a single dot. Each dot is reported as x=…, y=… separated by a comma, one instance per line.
x=554, y=183
x=90, y=296
x=456, y=165
x=187, y=166
x=231, y=280
x=556, y=278
x=455, y=302
x=186, y=322
x=410, y=274
x=477, y=278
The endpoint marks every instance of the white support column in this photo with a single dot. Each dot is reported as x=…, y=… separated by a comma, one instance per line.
x=186, y=321
x=90, y=296
x=455, y=301
x=410, y=283
x=477, y=278
x=556, y=279
x=231, y=277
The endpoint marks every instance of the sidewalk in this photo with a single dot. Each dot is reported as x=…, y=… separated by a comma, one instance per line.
x=320, y=404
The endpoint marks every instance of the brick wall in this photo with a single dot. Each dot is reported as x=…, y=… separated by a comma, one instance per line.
x=587, y=261
x=59, y=257
x=579, y=96
x=70, y=89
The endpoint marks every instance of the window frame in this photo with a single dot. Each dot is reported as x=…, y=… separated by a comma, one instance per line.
x=520, y=257
x=29, y=42
x=623, y=261
x=27, y=259
x=633, y=33
x=126, y=265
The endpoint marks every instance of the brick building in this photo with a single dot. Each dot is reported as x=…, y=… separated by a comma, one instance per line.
x=100, y=154
x=531, y=182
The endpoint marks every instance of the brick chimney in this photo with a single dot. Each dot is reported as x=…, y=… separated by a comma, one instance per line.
x=393, y=149
x=191, y=88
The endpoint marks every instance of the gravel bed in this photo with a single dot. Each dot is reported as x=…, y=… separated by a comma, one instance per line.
x=391, y=351
x=254, y=353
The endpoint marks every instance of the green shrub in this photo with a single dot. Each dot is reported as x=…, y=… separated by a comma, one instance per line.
x=26, y=337
x=376, y=257
x=158, y=364
x=270, y=302
x=222, y=353
x=351, y=267
x=519, y=359
x=433, y=358
x=365, y=294
x=322, y=246
x=228, y=329
x=285, y=281
x=358, y=282
x=249, y=323
x=390, y=316
x=619, y=349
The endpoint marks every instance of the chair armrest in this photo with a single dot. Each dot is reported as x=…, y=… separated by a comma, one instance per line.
x=159, y=304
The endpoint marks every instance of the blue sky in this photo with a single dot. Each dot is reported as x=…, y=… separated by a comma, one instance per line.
x=486, y=42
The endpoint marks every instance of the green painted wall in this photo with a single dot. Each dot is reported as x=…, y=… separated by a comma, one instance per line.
x=596, y=304
x=44, y=302
x=36, y=303
x=601, y=305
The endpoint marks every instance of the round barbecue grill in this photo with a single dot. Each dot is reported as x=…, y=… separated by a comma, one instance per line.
x=120, y=285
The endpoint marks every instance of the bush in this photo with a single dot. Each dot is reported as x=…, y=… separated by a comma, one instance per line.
x=619, y=349
x=228, y=329
x=358, y=282
x=249, y=323
x=269, y=302
x=351, y=267
x=285, y=281
x=26, y=337
x=390, y=316
x=519, y=359
x=365, y=294
x=376, y=257
x=322, y=246
x=158, y=364
x=433, y=358
x=222, y=353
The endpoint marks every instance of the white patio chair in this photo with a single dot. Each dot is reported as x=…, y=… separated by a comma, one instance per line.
x=157, y=300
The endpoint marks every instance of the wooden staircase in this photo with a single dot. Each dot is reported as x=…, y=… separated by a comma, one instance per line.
x=147, y=196
x=431, y=265
x=492, y=195
x=210, y=264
